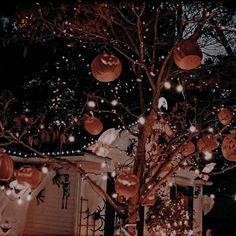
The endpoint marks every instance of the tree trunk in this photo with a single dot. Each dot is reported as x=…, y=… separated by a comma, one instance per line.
x=139, y=165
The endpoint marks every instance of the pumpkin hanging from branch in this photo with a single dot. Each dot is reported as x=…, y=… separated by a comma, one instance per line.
x=229, y=147
x=207, y=143
x=28, y=175
x=225, y=116
x=6, y=166
x=106, y=67
x=127, y=184
x=187, y=55
x=187, y=148
x=93, y=125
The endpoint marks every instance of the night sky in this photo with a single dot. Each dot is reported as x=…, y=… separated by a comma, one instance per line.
x=16, y=69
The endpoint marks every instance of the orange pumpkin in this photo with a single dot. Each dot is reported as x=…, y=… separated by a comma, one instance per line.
x=229, y=147
x=106, y=67
x=28, y=175
x=6, y=166
x=127, y=184
x=93, y=125
x=187, y=55
x=207, y=143
x=187, y=148
x=225, y=116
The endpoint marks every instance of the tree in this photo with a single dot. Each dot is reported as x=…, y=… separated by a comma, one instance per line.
x=155, y=41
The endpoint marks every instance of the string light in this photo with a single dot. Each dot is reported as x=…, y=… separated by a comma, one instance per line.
x=212, y=196
x=103, y=164
x=141, y=120
x=167, y=85
x=192, y=129
x=179, y=88
x=71, y=138
x=44, y=170
x=29, y=197
x=208, y=156
x=91, y=104
x=114, y=102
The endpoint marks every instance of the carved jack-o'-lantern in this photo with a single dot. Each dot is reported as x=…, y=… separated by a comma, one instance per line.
x=207, y=143
x=225, y=116
x=6, y=166
x=127, y=184
x=187, y=148
x=187, y=55
x=229, y=147
x=30, y=176
x=93, y=125
x=106, y=67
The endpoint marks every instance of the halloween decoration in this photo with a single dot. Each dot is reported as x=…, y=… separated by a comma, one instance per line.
x=97, y=216
x=207, y=143
x=187, y=55
x=62, y=180
x=93, y=125
x=66, y=191
x=19, y=190
x=187, y=148
x=229, y=147
x=40, y=196
x=106, y=67
x=225, y=116
x=102, y=146
x=127, y=184
x=6, y=166
x=28, y=175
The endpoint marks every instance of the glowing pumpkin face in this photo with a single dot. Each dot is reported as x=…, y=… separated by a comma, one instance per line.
x=225, y=116
x=187, y=55
x=6, y=166
x=93, y=125
x=127, y=185
x=106, y=67
x=29, y=176
x=229, y=147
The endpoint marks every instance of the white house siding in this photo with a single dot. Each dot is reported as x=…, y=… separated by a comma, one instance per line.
x=48, y=218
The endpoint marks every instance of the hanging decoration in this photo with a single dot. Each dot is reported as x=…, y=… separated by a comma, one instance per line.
x=229, y=147
x=127, y=184
x=225, y=116
x=102, y=146
x=106, y=67
x=29, y=175
x=187, y=54
x=6, y=166
x=93, y=125
x=187, y=148
x=207, y=143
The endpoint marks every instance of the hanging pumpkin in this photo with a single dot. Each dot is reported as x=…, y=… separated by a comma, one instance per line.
x=207, y=143
x=28, y=175
x=106, y=67
x=93, y=125
x=187, y=148
x=229, y=147
x=225, y=116
x=6, y=166
x=187, y=55
x=127, y=184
